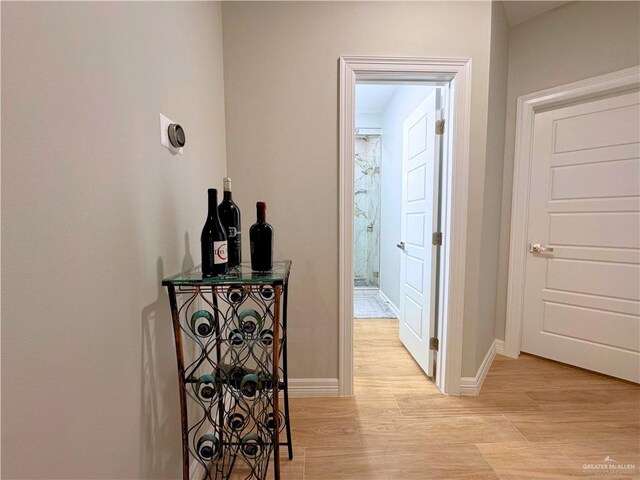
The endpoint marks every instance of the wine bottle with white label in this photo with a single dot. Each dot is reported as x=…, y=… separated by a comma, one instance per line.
x=213, y=240
x=230, y=218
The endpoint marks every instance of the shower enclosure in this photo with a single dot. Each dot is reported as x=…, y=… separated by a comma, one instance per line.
x=368, y=149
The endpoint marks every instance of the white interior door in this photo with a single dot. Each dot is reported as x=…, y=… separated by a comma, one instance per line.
x=419, y=210
x=581, y=299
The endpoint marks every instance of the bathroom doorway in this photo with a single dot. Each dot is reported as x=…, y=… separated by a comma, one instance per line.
x=396, y=209
x=431, y=281
x=367, y=298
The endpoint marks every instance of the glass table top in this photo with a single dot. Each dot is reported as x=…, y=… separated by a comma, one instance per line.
x=278, y=275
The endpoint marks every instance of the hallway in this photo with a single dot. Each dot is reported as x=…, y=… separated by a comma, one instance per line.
x=534, y=419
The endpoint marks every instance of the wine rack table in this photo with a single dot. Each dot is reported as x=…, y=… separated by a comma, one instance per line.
x=230, y=336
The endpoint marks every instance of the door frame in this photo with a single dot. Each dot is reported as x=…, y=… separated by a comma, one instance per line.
x=528, y=105
x=454, y=193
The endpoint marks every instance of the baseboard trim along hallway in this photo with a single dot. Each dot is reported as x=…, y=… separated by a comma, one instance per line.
x=390, y=304
x=472, y=385
x=313, y=387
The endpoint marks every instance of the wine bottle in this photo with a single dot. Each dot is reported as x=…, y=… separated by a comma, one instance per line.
x=235, y=376
x=202, y=323
x=208, y=447
x=251, y=445
x=261, y=237
x=213, y=240
x=207, y=388
x=230, y=218
x=250, y=385
x=237, y=421
x=250, y=321
x=270, y=421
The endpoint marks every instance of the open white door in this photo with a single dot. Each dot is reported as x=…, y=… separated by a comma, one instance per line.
x=419, y=220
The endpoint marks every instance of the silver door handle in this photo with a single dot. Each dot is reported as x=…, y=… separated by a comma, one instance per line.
x=537, y=248
x=400, y=245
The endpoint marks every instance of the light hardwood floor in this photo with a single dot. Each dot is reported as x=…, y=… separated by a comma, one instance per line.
x=534, y=419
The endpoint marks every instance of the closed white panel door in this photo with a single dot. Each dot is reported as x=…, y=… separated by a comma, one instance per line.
x=582, y=298
x=419, y=194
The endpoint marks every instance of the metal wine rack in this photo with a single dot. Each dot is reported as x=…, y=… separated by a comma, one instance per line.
x=230, y=336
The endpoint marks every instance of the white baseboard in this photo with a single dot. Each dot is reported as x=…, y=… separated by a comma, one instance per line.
x=392, y=307
x=472, y=385
x=365, y=290
x=313, y=387
x=499, y=347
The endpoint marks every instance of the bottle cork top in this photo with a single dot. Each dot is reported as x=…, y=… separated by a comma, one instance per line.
x=227, y=184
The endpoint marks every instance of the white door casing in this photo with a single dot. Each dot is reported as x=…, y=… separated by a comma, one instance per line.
x=418, y=222
x=454, y=194
x=576, y=190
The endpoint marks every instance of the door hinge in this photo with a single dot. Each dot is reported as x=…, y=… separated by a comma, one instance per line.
x=433, y=343
x=439, y=127
x=436, y=239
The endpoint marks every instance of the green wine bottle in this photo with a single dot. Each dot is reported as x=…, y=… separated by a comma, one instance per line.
x=250, y=321
x=266, y=337
x=208, y=447
x=236, y=293
x=236, y=338
x=251, y=445
x=207, y=388
x=250, y=385
x=237, y=421
x=202, y=323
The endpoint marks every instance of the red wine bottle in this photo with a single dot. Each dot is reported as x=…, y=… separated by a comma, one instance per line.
x=261, y=237
x=213, y=240
x=230, y=217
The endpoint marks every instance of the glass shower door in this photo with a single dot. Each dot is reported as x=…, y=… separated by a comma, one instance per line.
x=368, y=149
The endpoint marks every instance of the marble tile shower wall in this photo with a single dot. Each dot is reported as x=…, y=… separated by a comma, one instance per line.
x=367, y=210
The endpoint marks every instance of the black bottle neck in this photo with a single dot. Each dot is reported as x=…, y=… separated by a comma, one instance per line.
x=213, y=203
x=227, y=195
x=261, y=213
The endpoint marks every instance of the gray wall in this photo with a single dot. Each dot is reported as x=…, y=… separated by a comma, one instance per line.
x=570, y=43
x=94, y=213
x=492, y=198
x=281, y=95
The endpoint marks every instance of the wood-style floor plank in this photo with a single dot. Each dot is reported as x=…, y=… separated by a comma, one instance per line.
x=587, y=400
x=429, y=431
x=560, y=461
x=289, y=469
x=534, y=419
x=324, y=431
x=379, y=405
x=533, y=373
x=398, y=463
x=484, y=404
x=581, y=427
x=409, y=384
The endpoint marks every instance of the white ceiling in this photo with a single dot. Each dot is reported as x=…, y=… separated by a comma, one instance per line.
x=519, y=11
x=373, y=98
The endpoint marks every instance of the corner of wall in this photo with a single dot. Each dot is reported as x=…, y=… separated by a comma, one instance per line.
x=472, y=385
x=485, y=330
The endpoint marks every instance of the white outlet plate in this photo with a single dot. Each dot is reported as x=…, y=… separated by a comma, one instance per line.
x=164, y=136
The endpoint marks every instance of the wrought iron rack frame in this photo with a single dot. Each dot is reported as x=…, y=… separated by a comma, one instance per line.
x=200, y=288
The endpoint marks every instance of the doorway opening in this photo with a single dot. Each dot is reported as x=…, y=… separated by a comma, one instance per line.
x=398, y=153
x=403, y=196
